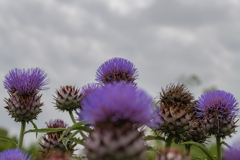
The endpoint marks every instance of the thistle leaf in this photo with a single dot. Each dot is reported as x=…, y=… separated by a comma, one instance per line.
x=76, y=126
x=7, y=139
x=34, y=126
x=224, y=143
x=44, y=130
x=203, y=148
x=77, y=140
x=66, y=139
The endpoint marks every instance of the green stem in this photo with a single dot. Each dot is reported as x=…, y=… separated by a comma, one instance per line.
x=71, y=115
x=187, y=149
x=74, y=121
x=218, y=141
x=20, y=141
x=168, y=141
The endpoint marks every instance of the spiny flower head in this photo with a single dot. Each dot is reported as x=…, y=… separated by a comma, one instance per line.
x=233, y=153
x=115, y=70
x=14, y=154
x=52, y=142
x=218, y=109
x=117, y=103
x=26, y=82
x=57, y=123
x=175, y=94
x=23, y=108
x=220, y=103
x=176, y=103
x=68, y=98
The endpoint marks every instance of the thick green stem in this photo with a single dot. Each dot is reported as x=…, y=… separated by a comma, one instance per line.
x=218, y=141
x=71, y=115
x=168, y=141
x=187, y=149
x=20, y=141
x=74, y=121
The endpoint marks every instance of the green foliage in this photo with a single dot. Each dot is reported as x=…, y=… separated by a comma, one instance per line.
x=203, y=148
x=5, y=144
x=45, y=130
x=32, y=149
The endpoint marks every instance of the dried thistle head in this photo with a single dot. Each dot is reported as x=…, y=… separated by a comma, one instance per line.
x=176, y=105
x=175, y=94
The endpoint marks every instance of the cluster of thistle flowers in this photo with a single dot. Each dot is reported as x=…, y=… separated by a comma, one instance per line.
x=185, y=119
x=117, y=111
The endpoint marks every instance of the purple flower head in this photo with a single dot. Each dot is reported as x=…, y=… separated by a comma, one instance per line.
x=219, y=103
x=218, y=109
x=117, y=103
x=57, y=123
x=233, y=153
x=88, y=88
x=14, y=154
x=26, y=82
x=115, y=70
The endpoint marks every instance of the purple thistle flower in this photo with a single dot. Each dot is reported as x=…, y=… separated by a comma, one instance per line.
x=221, y=102
x=219, y=108
x=117, y=103
x=51, y=140
x=233, y=153
x=57, y=123
x=14, y=154
x=88, y=88
x=115, y=70
x=26, y=82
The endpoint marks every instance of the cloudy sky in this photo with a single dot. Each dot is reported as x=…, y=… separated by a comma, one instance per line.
x=164, y=39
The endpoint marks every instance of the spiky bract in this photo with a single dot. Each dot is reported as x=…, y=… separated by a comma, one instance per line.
x=117, y=103
x=197, y=132
x=51, y=140
x=233, y=152
x=218, y=110
x=23, y=109
x=176, y=104
x=115, y=70
x=26, y=82
x=14, y=154
x=115, y=144
x=68, y=98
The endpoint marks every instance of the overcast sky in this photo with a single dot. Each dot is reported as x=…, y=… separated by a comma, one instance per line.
x=164, y=39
